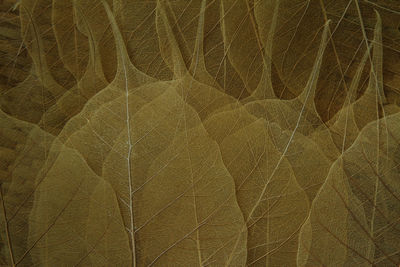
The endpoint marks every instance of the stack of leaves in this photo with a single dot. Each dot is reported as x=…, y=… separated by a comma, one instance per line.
x=200, y=133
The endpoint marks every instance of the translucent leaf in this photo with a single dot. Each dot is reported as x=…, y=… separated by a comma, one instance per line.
x=199, y=133
x=354, y=217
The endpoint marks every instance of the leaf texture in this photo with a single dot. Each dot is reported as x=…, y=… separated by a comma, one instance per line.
x=199, y=133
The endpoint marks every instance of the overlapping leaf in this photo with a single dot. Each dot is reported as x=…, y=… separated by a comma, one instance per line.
x=199, y=133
